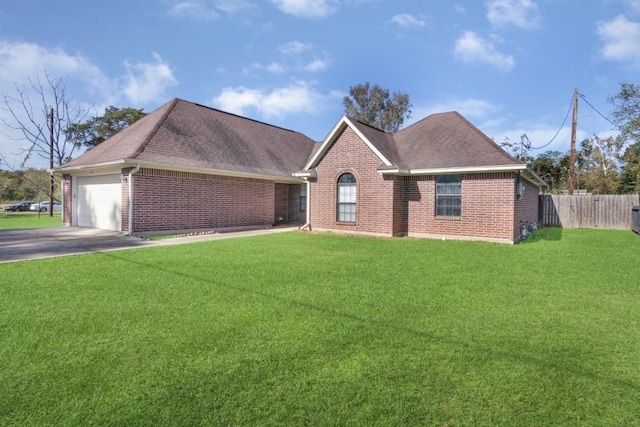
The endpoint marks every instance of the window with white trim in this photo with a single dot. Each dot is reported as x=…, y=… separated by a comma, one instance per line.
x=346, y=209
x=449, y=195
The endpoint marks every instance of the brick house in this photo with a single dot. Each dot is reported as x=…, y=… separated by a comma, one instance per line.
x=438, y=178
x=186, y=166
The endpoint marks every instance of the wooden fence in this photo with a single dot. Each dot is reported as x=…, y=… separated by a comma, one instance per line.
x=609, y=212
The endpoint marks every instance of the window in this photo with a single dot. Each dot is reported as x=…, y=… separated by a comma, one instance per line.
x=303, y=197
x=347, y=198
x=449, y=195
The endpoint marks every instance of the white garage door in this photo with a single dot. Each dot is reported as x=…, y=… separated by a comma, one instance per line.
x=100, y=202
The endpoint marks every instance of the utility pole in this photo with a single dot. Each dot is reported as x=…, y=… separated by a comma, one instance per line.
x=572, y=152
x=51, y=183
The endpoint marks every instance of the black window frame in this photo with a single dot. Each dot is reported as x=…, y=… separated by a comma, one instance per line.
x=346, y=210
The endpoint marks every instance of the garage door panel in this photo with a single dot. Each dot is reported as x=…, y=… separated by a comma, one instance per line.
x=100, y=202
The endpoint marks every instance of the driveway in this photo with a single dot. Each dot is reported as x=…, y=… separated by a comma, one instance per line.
x=16, y=245
x=35, y=243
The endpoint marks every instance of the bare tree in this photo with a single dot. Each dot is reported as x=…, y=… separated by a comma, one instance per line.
x=41, y=121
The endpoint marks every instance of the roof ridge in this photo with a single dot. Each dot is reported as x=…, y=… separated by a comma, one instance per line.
x=242, y=117
x=490, y=140
x=155, y=129
x=368, y=125
x=425, y=118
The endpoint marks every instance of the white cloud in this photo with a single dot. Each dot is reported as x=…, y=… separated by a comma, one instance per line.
x=471, y=48
x=621, y=39
x=460, y=9
x=298, y=97
x=407, y=21
x=273, y=67
x=635, y=5
x=306, y=8
x=317, y=66
x=193, y=9
x=294, y=47
x=233, y=6
x=523, y=14
x=21, y=60
x=147, y=82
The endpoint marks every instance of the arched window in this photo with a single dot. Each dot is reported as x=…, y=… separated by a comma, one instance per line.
x=346, y=198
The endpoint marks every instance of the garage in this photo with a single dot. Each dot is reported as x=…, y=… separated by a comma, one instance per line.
x=99, y=202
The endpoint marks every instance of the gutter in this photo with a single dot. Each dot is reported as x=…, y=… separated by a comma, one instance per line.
x=308, y=223
x=452, y=170
x=131, y=173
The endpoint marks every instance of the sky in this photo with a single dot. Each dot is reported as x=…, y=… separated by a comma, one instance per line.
x=509, y=66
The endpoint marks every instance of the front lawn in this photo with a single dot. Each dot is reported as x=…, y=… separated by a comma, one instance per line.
x=320, y=329
x=29, y=220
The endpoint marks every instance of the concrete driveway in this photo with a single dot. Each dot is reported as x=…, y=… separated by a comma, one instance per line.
x=16, y=245
x=36, y=243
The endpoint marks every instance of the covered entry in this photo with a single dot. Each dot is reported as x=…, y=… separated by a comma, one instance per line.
x=99, y=202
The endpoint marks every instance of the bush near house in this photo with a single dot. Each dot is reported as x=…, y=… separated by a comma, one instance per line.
x=320, y=329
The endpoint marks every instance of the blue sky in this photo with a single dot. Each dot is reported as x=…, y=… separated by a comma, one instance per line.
x=509, y=66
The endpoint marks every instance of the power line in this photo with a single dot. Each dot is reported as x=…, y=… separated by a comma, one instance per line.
x=529, y=147
x=584, y=98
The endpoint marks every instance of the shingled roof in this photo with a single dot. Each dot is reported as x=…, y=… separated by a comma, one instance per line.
x=438, y=142
x=189, y=136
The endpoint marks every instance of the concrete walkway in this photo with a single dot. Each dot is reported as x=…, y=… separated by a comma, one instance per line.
x=39, y=243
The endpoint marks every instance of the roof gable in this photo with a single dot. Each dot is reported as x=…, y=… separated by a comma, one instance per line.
x=379, y=142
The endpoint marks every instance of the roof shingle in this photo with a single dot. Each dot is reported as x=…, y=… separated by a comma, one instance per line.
x=443, y=140
x=189, y=135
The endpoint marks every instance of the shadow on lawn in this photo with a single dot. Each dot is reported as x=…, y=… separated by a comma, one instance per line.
x=465, y=347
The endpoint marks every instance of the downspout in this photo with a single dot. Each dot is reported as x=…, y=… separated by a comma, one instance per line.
x=131, y=173
x=308, y=223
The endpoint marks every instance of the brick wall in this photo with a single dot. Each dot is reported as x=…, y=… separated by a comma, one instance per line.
x=171, y=200
x=526, y=208
x=374, y=197
x=487, y=207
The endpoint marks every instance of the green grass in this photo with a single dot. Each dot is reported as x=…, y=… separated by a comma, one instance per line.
x=29, y=220
x=319, y=329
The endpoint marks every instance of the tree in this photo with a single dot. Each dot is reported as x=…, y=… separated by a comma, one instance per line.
x=598, y=160
x=630, y=174
x=376, y=107
x=626, y=115
x=97, y=129
x=29, y=184
x=553, y=167
x=626, y=112
x=41, y=122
